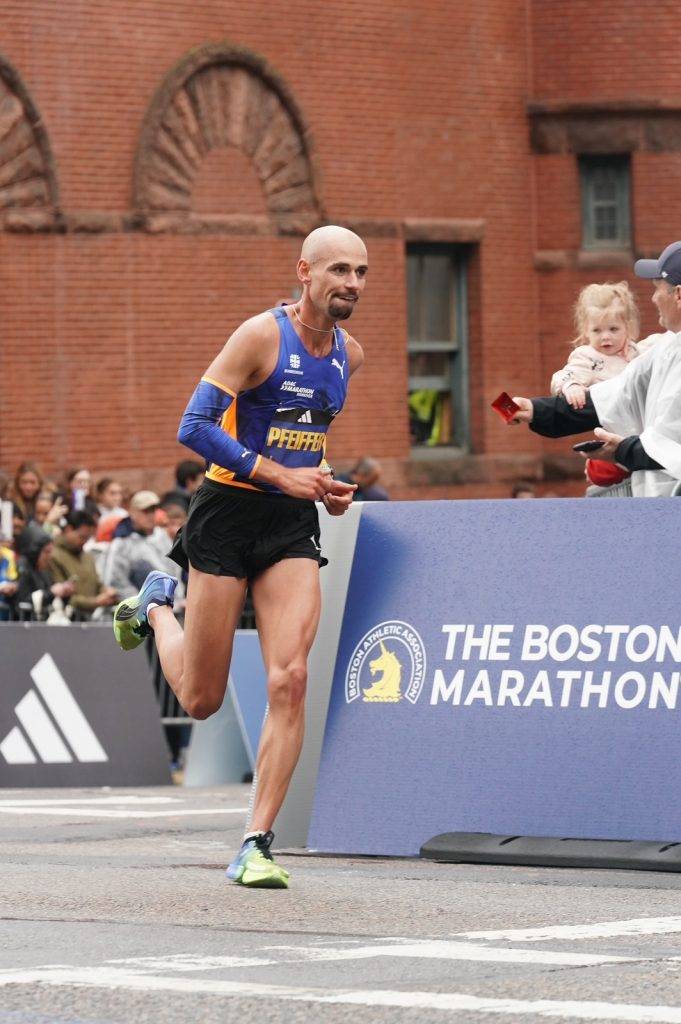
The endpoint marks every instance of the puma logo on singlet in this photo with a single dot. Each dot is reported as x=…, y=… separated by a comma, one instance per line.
x=339, y=366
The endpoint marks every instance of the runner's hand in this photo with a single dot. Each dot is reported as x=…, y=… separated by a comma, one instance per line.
x=338, y=498
x=525, y=413
x=306, y=483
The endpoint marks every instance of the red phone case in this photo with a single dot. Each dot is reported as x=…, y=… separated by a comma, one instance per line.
x=505, y=406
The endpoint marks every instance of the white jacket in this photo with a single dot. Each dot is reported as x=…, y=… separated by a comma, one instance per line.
x=646, y=400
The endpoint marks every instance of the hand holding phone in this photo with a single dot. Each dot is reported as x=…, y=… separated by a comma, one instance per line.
x=588, y=446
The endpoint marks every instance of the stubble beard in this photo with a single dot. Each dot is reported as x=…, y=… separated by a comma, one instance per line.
x=338, y=312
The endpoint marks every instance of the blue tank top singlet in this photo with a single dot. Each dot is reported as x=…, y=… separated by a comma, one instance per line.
x=286, y=418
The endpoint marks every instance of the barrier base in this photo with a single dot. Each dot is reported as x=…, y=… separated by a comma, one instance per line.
x=544, y=851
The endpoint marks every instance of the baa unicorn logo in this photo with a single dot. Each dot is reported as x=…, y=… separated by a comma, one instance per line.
x=387, y=665
x=387, y=688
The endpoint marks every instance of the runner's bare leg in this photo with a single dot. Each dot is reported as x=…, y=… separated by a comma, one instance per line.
x=287, y=603
x=196, y=660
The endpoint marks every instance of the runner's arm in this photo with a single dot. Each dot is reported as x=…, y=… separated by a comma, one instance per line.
x=247, y=359
x=339, y=496
x=242, y=363
x=355, y=354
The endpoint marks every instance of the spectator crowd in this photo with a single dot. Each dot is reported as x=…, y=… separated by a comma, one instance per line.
x=71, y=552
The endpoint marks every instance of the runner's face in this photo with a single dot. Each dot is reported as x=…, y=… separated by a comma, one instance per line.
x=336, y=283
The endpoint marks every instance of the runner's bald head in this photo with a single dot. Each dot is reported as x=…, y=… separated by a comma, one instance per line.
x=330, y=242
x=332, y=269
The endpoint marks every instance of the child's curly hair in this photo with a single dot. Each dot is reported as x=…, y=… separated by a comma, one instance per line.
x=599, y=300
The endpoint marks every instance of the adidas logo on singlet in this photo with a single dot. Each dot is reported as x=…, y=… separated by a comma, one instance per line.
x=305, y=418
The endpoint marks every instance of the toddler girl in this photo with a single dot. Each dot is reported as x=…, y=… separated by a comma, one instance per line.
x=607, y=325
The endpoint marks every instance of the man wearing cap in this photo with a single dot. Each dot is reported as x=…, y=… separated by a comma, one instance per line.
x=133, y=553
x=638, y=413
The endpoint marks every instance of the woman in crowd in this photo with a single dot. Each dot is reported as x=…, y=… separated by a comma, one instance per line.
x=109, y=496
x=27, y=485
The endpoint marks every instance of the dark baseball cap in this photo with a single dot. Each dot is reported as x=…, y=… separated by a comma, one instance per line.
x=667, y=267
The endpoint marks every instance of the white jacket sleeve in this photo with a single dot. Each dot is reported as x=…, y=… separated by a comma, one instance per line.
x=579, y=369
x=117, y=568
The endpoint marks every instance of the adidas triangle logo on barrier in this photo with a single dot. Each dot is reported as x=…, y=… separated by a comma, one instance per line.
x=34, y=717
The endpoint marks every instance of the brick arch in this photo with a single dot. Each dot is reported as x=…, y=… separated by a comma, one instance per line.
x=28, y=183
x=221, y=96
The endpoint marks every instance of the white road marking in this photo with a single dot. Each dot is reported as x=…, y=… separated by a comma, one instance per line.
x=444, y=950
x=94, y=800
x=87, y=812
x=573, y=932
x=188, y=962
x=112, y=978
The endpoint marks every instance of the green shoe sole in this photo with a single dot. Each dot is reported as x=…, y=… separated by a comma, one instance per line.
x=127, y=629
x=274, y=878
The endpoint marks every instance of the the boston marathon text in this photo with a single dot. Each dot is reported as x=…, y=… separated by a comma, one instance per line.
x=564, y=680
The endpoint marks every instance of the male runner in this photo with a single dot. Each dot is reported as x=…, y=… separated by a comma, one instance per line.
x=259, y=416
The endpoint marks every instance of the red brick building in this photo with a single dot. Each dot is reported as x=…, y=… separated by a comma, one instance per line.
x=161, y=160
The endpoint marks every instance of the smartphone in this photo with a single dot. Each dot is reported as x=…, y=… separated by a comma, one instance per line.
x=79, y=500
x=505, y=406
x=588, y=446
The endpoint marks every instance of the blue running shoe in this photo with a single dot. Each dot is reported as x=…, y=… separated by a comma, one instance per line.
x=130, y=622
x=254, y=866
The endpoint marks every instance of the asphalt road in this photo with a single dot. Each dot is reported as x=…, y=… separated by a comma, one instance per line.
x=114, y=908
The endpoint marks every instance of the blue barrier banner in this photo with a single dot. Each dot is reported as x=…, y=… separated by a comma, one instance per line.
x=248, y=682
x=508, y=667
x=223, y=747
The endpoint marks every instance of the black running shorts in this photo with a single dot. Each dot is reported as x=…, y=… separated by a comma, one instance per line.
x=232, y=531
